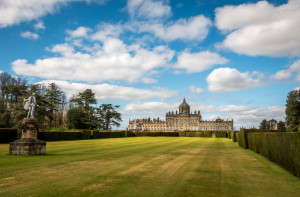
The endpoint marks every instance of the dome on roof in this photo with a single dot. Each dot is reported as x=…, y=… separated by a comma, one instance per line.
x=184, y=108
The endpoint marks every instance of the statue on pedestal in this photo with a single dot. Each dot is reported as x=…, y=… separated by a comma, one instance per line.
x=30, y=104
x=29, y=144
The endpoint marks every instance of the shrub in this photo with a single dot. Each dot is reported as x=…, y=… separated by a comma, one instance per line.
x=8, y=135
x=181, y=133
x=155, y=134
x=87, y=134
x=199, y=134
x=123, y=133
x=234, y=135
x=221, y=133
x=58, y=136
x=229, y=134
x=106, y=134
x=128, y=134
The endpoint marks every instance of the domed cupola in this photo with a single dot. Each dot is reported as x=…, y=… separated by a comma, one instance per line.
x=184, y=108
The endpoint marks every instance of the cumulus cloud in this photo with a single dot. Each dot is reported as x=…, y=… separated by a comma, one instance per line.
x=39, y=25
x=287, y=74
x=106, y=91
x=29, y=35
x=193, y=28
x=242, y=115
x=230, y=79
x=261, y=28
x=106, y=30
x=194, y=90
x=198, y=62
x=79, y=32
x=148, y=9
x=114, y=60
x=14, y=11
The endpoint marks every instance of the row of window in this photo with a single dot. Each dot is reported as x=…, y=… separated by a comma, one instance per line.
x=191, y=128
x=182, y=120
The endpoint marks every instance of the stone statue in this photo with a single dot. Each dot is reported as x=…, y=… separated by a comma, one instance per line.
x=30, y=104
x=29, y=144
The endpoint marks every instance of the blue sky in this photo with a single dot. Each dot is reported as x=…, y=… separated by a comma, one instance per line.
x=233, y=59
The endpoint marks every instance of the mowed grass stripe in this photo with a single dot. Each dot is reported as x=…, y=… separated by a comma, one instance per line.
x=144, y=166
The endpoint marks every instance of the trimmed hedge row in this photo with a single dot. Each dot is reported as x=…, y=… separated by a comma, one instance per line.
x=243, y=137
x=199, y=134
x=283, y=148
x=221, y=134
x=8, y=135
x=155, y=134
x=59, y=136
x=106, y=134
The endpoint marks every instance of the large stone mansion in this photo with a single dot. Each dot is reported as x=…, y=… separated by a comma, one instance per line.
x=183, y=120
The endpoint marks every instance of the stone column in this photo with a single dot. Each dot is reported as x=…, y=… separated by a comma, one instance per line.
x=28, y=144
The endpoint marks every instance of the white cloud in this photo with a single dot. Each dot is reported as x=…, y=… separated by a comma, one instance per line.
x=198, y=62
x=287, y=74
x=106, y=91
x=29, y=35
x=194, y=90
x=106, y=30
x=282, y=75
x=261, y=28
x=242, y=115
x=193, y=28
x=230, y=79
x=16, y=11
x=79, y=32
x=148, y=9
x=113, y=61
x=1, y=71
x=39, y=25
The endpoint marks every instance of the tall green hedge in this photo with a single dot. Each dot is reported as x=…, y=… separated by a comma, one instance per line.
x=234, y=135
x=199, y=134
x=243, y=136
x=221, y=133
x=229, y=134
x=155, y=134
x=8, y=135
x=282, y=148
x=181, y=133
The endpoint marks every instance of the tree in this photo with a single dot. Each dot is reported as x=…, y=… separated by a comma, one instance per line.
x=12, y=92
x=75, y=119
x=264, y=125
x=281, y=126
x=293, y=110
x=54, y=97
x=84, y=102
x=109, y=116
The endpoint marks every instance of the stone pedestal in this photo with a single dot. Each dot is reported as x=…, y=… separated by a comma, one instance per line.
x=28, y=144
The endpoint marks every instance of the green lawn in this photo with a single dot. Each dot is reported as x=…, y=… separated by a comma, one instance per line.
x=144, y=166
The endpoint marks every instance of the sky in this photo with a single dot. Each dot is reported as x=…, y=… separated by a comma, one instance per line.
x=229, y=58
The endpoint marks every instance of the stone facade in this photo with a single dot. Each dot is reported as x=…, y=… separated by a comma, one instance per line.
x=182, y=120
x=28, y=144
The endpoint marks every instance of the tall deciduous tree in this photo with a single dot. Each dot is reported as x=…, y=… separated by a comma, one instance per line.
x=110, y=116
x=293, y=110
x=264, y=125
